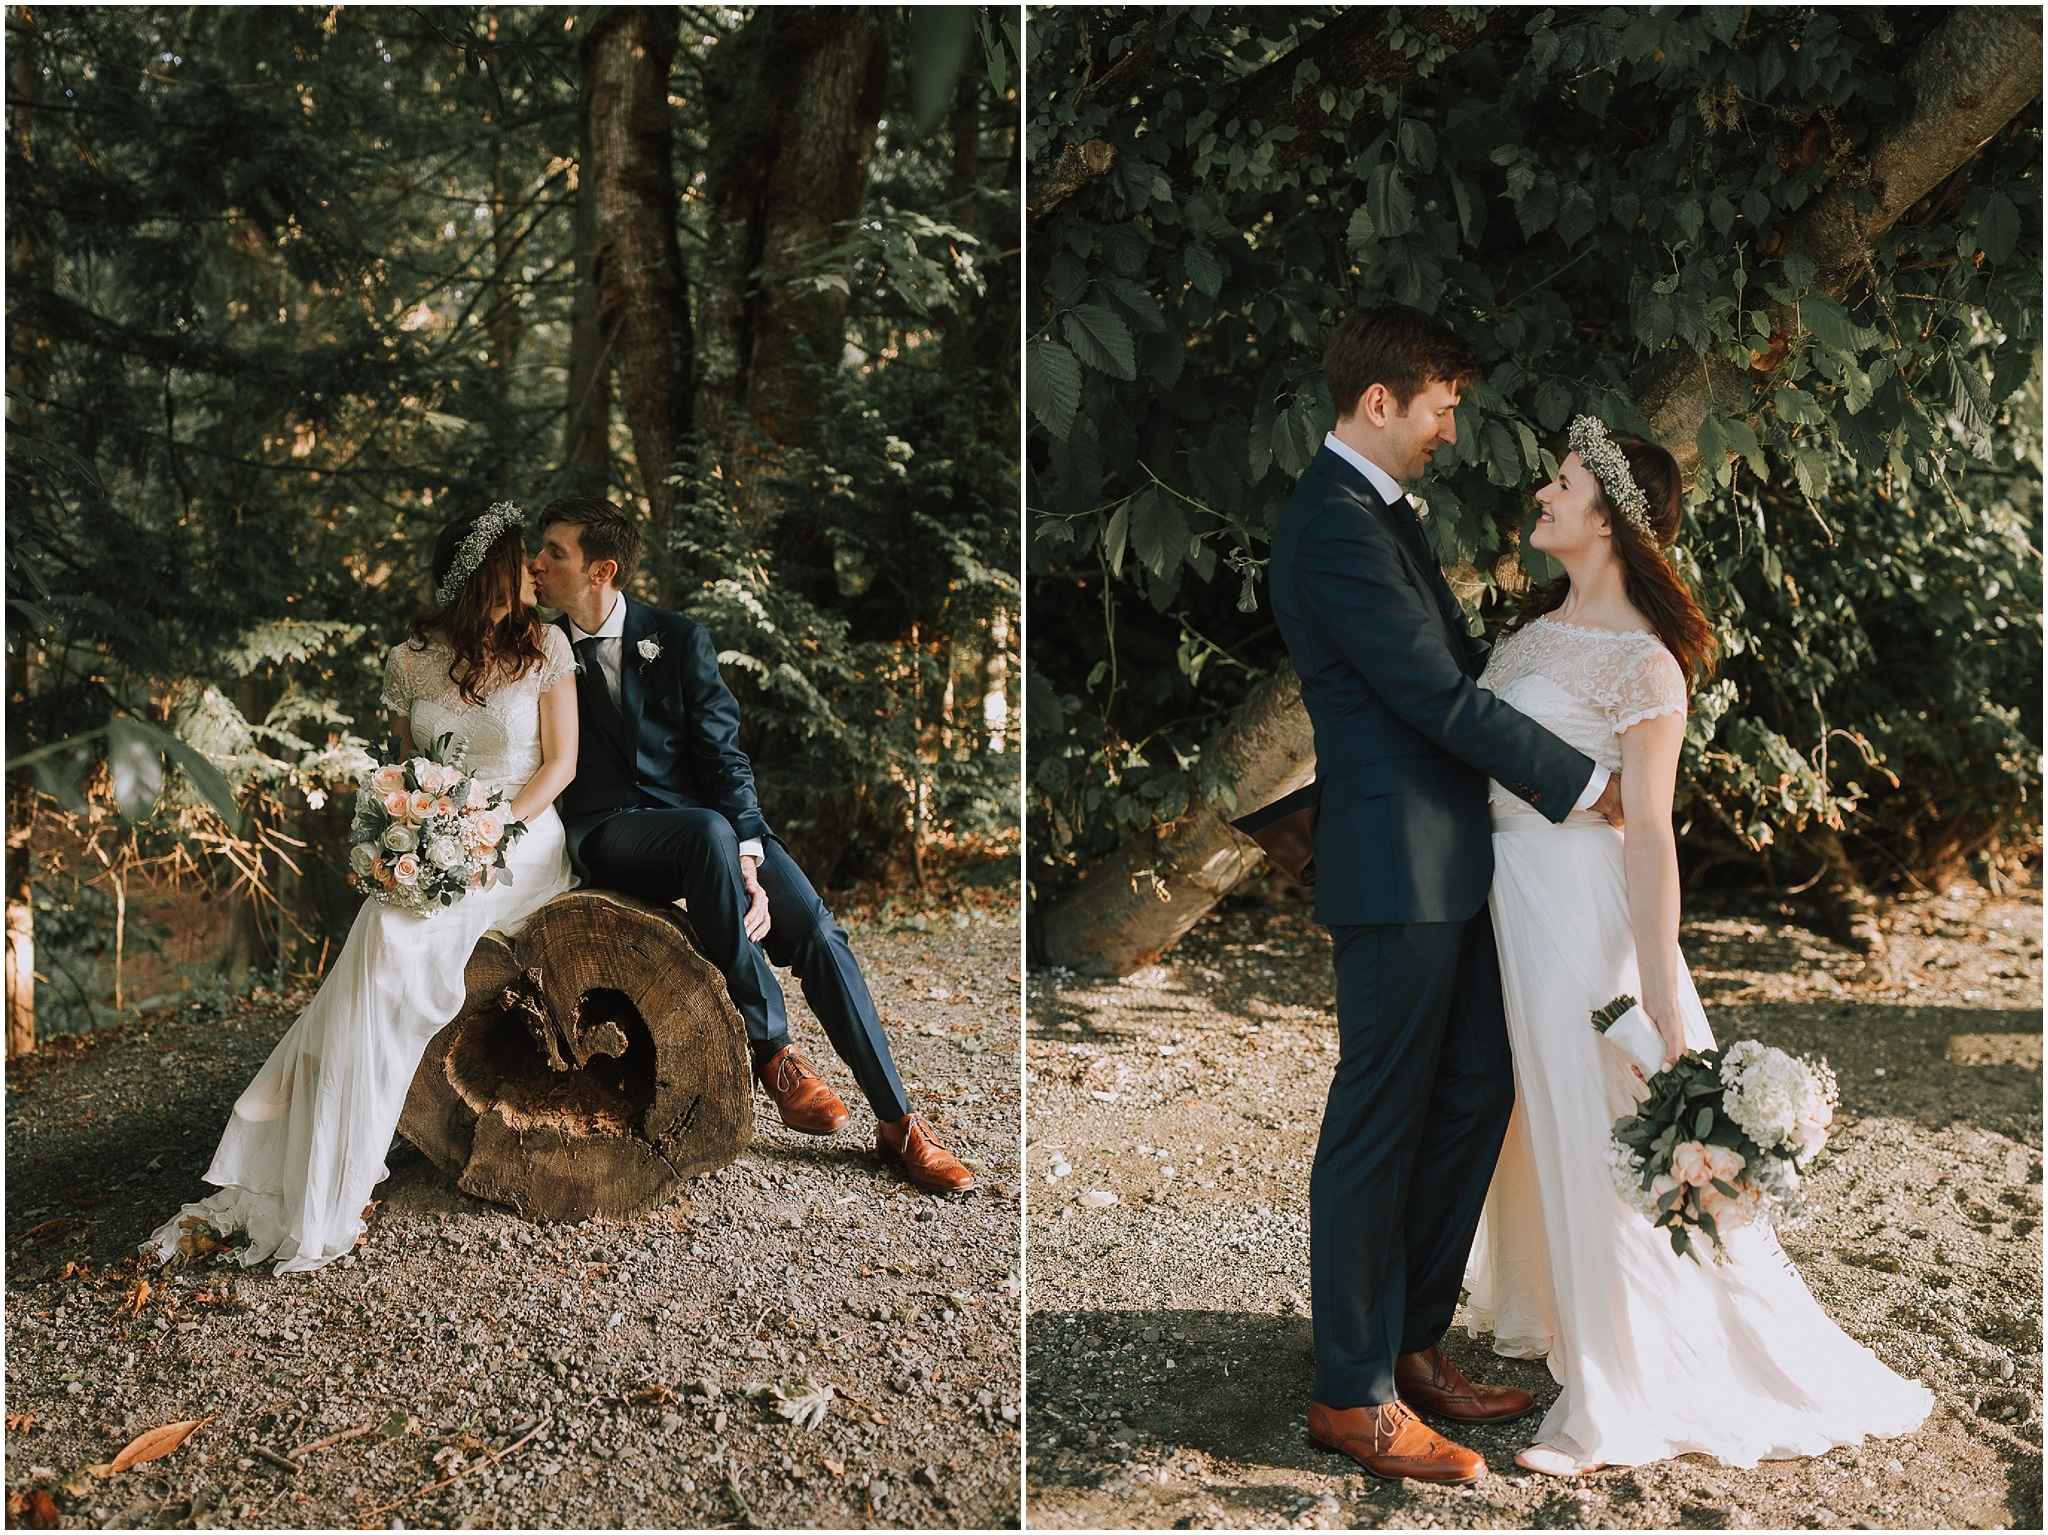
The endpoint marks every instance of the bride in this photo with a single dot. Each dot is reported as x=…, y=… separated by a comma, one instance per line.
x=1658, y=1355
x=306, y=1142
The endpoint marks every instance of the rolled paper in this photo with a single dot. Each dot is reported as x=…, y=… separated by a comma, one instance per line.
x=1636, y=1037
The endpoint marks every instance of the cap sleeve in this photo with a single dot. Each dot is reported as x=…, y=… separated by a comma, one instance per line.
x=1652, y=684
x=561, y=657
x=398, y=691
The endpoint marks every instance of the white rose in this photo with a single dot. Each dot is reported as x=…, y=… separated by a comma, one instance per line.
x=444, y=852
x=362, y=858
x=399, y=838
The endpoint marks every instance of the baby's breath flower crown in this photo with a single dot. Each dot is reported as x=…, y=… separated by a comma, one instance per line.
x=1588, y=438
x=488, y=530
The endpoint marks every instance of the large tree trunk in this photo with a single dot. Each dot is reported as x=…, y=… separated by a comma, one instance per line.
x=21, y=949
x=586, y=426
x=1971, y=77
x=1136, y=903
x=794, y=100
x=596, y=1064
x=643, y=294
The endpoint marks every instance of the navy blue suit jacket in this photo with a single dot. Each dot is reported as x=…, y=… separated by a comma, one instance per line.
x=1405, y=738
x=674, y=740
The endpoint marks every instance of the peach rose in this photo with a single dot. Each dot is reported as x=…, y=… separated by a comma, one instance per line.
x=486, y=829
x=398, y=805
x=381, y=872
x=406, y=871
x=478, y=797
x=1729, y=1214
x=421, y=804
x=443, y=805
x=1689, y=1164
x=1725, y=1164
x=387, y=779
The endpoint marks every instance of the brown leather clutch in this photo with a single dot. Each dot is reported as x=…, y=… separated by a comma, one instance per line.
x=1286, y=831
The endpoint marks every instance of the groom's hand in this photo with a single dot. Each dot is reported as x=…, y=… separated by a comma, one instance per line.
x=1609, y=802
x=757, y=909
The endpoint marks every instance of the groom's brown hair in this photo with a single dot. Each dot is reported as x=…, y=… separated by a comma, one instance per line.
x=603, y=531
x=1402, y=348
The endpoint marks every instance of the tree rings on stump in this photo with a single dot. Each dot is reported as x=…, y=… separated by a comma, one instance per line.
x=596, y=1064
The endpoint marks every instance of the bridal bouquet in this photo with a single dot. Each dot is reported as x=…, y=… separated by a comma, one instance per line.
x=426, y=834
x=1722, y=1140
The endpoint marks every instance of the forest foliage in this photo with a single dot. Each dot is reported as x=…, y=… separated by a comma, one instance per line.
x=289, y=287
x=1596, y=197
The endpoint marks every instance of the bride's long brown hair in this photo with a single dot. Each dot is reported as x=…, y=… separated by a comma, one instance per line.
x=489, y=650
x=1654, y=589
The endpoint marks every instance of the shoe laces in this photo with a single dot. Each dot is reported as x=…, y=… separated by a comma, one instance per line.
x=790, y=1069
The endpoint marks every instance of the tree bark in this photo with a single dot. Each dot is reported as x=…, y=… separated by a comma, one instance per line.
x=21, y=950
x=1135, y=905
x=597, y=1063
x=586, y=425
x=1971, y=77
x=794, y=101
x=643, y=293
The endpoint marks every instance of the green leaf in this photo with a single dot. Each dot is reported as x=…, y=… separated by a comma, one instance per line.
x=1575, y=216
x=1553, y=404
x=1140, y=307
x=1205, y=269
x=1388, y=201
x=1702, y=1122
x=1797, y=407
x=1101, y=340
x=1359, y=234
x=1052, y=381
x=207, y=778
x=1832, y=326
x=1418, y=145
x=1113, y=538
x=1159, y=530
x=135, y=763
x=1998, y=227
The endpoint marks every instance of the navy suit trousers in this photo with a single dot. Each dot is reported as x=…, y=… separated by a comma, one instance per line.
x=1416, y=1115
x=694, y=854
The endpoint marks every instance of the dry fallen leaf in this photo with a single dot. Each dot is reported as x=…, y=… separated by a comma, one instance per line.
x=32, y=1510
x=20, y=1422
x=154, y=1445
x=836, y=1467
x=132, y=1302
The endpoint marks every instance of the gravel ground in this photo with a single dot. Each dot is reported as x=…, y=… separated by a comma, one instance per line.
x=627, y=1371
x=1169, y=1346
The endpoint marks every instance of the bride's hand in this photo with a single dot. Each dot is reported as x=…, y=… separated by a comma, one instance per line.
x=1664, y=1013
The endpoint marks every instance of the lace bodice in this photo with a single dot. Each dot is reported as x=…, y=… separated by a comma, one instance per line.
x=500, y=737
x=1586, y=686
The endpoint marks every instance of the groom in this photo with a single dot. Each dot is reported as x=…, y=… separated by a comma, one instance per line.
x=1405, y=744
x=662, y=806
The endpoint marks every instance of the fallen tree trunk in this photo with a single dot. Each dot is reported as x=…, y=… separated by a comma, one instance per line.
x=1135, y=905
x=597, y=1063
x=1974, y=73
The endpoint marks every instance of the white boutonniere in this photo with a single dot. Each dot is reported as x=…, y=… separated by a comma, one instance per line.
x=650, y=649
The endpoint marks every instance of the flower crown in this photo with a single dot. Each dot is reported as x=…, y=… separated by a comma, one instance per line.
x=1597, y=451
x=488, y=530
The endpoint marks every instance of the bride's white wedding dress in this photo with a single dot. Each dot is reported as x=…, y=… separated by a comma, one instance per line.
x=1657, y=1355
x=307, y=1139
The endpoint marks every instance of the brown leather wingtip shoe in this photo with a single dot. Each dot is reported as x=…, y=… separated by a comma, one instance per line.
x=910, y=1144
x=1390, y=1441
x=1430, y=1383
x=801, y=1097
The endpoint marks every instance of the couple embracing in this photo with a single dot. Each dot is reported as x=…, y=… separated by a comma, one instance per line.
x=1497, y=861
x=616, y=743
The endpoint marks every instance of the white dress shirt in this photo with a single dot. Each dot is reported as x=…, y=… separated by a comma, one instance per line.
x=611, y=645
x=1390, y=492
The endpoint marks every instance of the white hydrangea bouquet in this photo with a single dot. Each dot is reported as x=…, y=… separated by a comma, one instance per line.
x=1722, y=1140
x=425, y=833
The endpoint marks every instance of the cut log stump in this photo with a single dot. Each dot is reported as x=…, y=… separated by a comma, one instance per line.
x=596, y=1064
